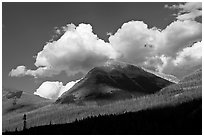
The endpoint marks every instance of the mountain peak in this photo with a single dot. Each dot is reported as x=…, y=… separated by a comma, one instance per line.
x=112, y=63
x=113, y=81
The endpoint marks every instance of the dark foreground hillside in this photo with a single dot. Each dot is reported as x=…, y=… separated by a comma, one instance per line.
x=185, y=118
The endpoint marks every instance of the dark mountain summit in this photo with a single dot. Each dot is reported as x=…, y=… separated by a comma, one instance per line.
x=113, y=81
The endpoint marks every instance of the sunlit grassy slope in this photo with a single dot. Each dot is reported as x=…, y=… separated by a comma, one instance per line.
x=181, y=119
x=27, y=102
x=189, y=89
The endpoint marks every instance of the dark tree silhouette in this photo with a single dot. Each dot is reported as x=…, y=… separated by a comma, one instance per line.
x=24, y=122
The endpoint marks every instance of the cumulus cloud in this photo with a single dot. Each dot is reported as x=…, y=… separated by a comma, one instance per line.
x=190, y=16
x=156, y=49
x=189, y=55
x=188, y=6
x=49, y=90
x=155, y=63
x=185, y=62
x=19, y=71
x=178, y=35
x=23, y=71
x=187, y=11
x=53, y=90
x=67, y=87
x=77, y=50
x=135, y=41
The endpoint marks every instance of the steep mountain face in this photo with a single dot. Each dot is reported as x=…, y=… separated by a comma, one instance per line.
x=114, y=81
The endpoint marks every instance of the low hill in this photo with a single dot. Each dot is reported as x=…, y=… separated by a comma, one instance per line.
x=24, y=101
x=182, y=72
x=114, y=81
x=196, y=75
x=190, y=82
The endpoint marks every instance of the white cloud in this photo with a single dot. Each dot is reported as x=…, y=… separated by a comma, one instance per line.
x=77, y=50
x=188, y=6
x=189, y=55
x=22, y=71
x=49, y=89
x=155, y=63
x=53, y=90
x=191, y=6
x=185, y=61
x=190, y=16
x=156, y=49
x=109, y=33
x=135, y=41
x=19, y=71
x=187, y=11
x=67, y=87
x=178, y=35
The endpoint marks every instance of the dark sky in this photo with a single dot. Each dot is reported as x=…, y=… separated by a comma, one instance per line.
x=28, y=26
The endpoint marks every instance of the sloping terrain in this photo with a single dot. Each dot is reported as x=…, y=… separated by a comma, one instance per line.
x=190, y=82
x=196, y=75
x=176, y=109
x=152, y=114
x=170, y=78
x=180, y=72
x=63, y=114
x=184, y=119
x=114, y=81
x=24, y=103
